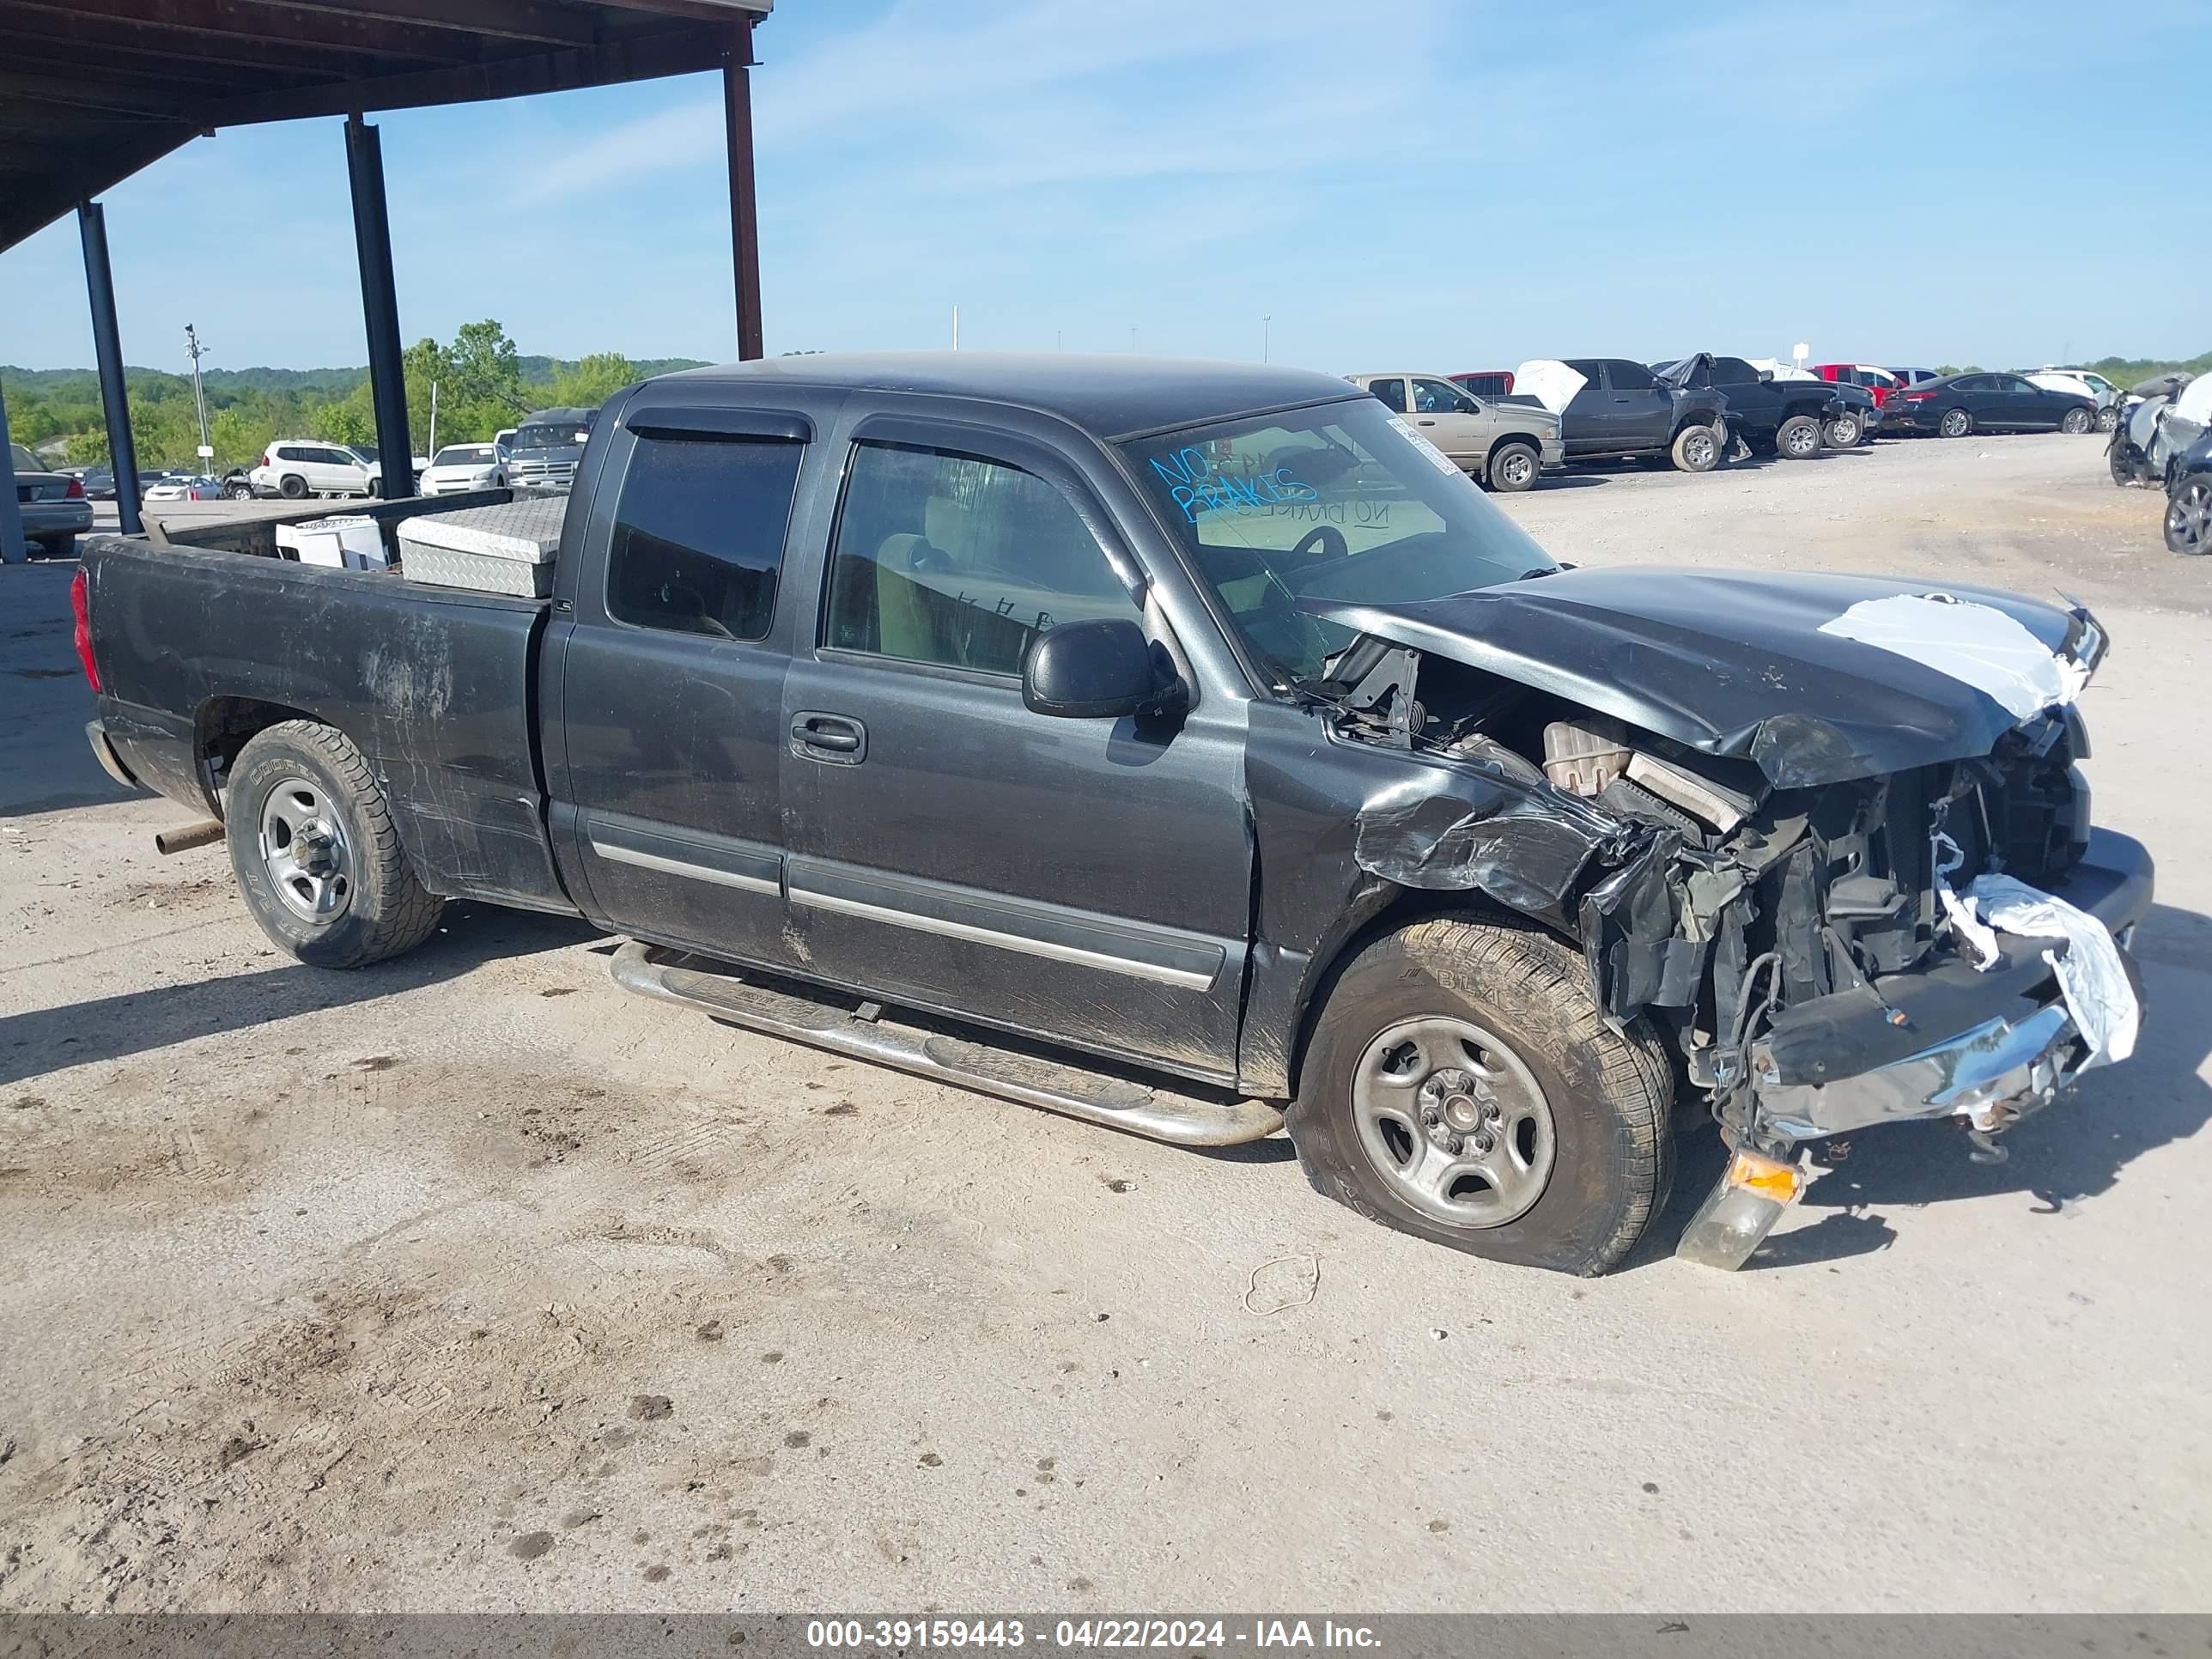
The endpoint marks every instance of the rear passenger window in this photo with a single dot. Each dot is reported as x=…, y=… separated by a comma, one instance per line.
x=952, y=559
x=698, y=535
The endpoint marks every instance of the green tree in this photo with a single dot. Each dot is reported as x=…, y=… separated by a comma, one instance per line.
x=594, y=380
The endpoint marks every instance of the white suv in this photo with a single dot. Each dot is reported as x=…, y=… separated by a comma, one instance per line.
x=296, y=468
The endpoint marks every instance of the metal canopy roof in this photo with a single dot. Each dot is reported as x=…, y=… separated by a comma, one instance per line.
x=93, y=90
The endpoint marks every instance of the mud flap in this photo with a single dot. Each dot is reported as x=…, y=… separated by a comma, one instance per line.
x=1739, y=1212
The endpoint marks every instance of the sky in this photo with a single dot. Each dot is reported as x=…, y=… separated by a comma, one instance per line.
x=1444, y=185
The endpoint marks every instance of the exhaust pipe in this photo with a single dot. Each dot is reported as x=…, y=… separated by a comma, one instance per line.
x=187, y=837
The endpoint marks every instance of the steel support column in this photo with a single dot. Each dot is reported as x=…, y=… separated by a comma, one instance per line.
x=745, y=212
x=107, y=352
x=380, y=305
x=12, y=544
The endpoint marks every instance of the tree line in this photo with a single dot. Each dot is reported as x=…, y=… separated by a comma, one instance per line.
x=483, y=384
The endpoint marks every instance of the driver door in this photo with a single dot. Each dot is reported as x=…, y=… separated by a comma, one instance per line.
x=1451, y=420
x=1085, y=880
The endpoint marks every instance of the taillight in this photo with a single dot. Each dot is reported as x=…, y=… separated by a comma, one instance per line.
x=77, y=490
x=264, y=458
x=81, y=602
x=1917, y=396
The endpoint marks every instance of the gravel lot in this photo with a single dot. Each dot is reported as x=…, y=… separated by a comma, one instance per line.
x=470, y=1282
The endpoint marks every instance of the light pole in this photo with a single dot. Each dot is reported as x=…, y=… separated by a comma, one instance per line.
x=193, y=349
x=1267, y=330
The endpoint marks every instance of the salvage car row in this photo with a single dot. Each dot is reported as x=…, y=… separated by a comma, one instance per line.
x=1693, y=412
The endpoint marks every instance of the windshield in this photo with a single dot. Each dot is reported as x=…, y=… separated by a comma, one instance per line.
x=1343, y=502
x=464, y=455
x=546, y=437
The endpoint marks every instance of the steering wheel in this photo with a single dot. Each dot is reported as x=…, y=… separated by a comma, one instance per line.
x=1331, y=538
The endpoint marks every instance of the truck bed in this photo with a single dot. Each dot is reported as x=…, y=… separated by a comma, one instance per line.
x=437, y=685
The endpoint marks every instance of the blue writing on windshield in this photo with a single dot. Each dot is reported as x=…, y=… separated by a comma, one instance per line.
x=1196, y=486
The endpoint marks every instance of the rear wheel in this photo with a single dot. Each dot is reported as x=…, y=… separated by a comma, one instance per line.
x=1696, y=449
x=292, y=488
x=1461, y=1086
x=1955, y=423
x=1514, y=467
x=1798, y=438
x=2188, y=519
x=59, y=547
x=2077, y=421
x=315, y=851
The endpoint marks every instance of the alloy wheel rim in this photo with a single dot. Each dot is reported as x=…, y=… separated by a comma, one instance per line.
x=2189, y=519
x=1454, y=1122
x=305, y=851
x=1517, y=471
x=1954, y=424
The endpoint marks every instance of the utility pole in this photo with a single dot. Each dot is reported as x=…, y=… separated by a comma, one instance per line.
x=1266, y=332
x=1133, y=339
x=434, y=418
x=956, y=328
x=1055, y=339
x=193, y=349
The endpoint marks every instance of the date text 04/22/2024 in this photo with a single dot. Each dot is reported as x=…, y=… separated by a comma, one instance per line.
x=1182, y=1635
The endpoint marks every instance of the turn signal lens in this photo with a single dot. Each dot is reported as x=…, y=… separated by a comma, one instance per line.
x=1766, y=1177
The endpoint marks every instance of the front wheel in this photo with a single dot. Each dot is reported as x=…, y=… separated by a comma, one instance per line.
x=2188, y=519
x=2108, y=417
x=316, y=853
x=1461, y=1086
x=1843, y=433
x=1696, y=449
x=1798, y=438
x=2077, y=421
x=1514, y=467
x=238, y=490
x=1955, y=423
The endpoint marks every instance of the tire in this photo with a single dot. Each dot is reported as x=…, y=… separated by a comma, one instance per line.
x=2188, y=519
x=2108, y=417
x=1696, y=449
x=236, y=491
x=1798, y=438
x=1844, y=432
x=291, y=487
x=2120, y=457
x=57, y=547
x=2077, y=421
x=355, y=900
x=1514, y=467
x=1955, y=423
x=1599, y=1171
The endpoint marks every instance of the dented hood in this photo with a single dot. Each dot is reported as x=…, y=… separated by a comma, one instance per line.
x=1731, y=663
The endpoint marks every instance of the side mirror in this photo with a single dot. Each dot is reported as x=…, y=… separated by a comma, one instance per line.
x=1098, y=670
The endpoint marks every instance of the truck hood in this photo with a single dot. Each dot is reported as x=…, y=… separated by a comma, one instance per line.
x=1752, y=666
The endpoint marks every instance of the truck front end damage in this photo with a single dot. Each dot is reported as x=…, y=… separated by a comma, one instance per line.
x=1842, y=910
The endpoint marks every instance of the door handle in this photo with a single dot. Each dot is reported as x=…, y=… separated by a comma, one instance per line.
x=836, y=739
x=1424, y=423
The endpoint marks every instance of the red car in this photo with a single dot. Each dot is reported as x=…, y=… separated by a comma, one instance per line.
x=1486, y=382
x=1877, y=381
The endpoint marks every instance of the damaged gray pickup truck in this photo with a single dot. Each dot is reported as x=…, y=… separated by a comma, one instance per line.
x=1191, y=749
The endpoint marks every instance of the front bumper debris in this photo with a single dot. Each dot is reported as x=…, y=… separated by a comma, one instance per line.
x=1987, y=1047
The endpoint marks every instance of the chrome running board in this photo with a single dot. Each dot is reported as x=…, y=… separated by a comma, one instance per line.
x=724, y=994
